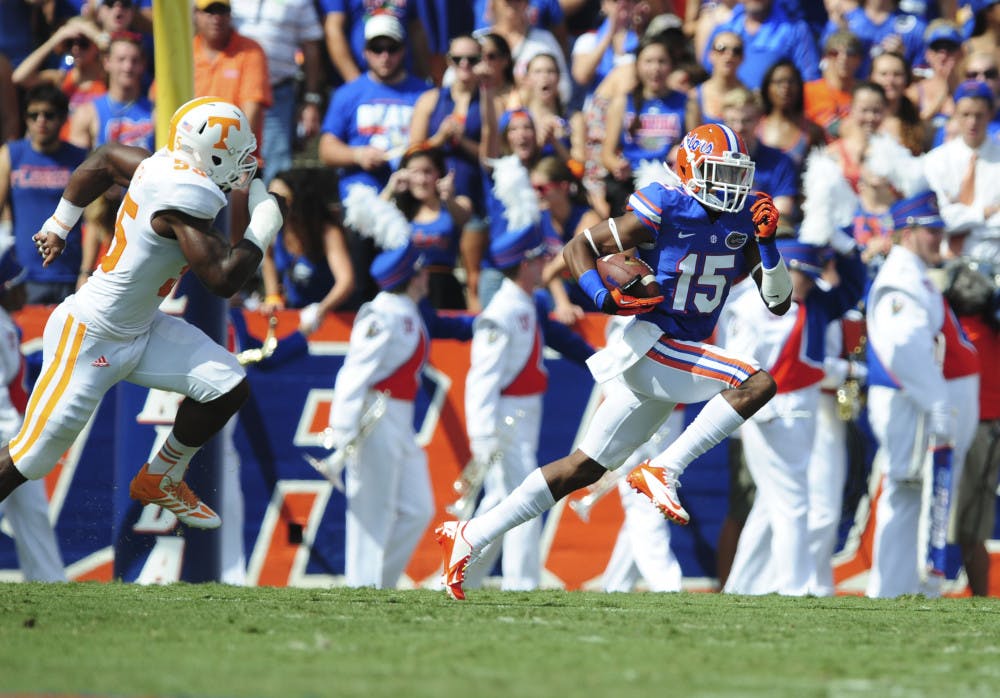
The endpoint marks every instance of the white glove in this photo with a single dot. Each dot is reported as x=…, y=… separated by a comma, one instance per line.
x=335, y=439
x=265, y=216
x=484, y=447
x=940, y=423
x=309, y=319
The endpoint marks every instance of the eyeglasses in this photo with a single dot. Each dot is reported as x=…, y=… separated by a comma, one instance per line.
x=457, y=60
x=44, y=113
x=988, y=74
x=379, y=47
x=723, y=48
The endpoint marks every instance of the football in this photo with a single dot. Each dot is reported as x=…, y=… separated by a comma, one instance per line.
x=629, y=274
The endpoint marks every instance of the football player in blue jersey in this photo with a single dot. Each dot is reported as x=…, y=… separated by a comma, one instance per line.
x=699, y=237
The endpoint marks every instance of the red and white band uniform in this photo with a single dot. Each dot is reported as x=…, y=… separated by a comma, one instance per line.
x=642, y=550
x=112, y=329
x=908, y=389
x=26, y=509
x=504, y=388
x=389, y=496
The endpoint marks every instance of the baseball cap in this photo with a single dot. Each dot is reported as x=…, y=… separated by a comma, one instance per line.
x=205, y=4
x=383, y=24
x=943, y=31
x=918, y=210
x=973, y=88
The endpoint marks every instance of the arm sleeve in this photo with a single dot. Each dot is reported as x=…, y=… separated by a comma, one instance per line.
x=446, y=327
x=482, y=385
x=904, y=343
x=369, y=339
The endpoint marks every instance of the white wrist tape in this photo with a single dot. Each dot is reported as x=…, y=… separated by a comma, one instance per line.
x=776, y=285
x=265, y=217
x=65, y=217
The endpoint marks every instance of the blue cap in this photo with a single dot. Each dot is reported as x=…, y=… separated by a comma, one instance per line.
x=974, y=88
x=11, y=271
x=920, y=210
x=395, y=267
x=511, y=246
x=505, y=118
x=944, y=32
x=801, y=256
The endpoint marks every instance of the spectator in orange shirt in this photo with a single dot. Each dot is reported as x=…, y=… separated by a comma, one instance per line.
x=828, y=99
x=228, y=65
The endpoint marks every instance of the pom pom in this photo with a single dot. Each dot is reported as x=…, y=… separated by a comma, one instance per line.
x=512, y=187
x=829, y=204
x=375, y=218
x=887, y=158
x=650, y=171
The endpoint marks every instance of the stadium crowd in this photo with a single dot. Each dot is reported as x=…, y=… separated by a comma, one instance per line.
x=873, y=126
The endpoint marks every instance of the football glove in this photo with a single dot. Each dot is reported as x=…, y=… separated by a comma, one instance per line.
x=618, y=303
x=764, y=216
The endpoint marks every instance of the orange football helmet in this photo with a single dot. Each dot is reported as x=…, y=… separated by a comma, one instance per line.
x=715, y=167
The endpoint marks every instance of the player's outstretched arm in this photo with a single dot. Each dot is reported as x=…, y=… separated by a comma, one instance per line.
x=110, y=164
x=222, y=267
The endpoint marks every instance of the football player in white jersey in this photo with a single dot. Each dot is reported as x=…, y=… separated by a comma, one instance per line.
x=112, y=329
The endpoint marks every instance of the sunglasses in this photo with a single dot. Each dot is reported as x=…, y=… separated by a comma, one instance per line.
x=988, y=74
x=457, y=60
x=35, y=115
x=949, y=46
x=723, y=48
x=380, y=47
x=81, y=42
x=547, y=188
x=491, y=56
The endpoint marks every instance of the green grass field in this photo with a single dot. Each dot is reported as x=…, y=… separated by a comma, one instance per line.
x=213, y=640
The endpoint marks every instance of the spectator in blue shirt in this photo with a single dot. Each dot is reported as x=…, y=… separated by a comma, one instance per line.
x=769, y=34
x=882, y=27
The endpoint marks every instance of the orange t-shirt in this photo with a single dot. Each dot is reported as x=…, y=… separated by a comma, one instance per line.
x=825, y=105
x=987, y=342
x=237, y=74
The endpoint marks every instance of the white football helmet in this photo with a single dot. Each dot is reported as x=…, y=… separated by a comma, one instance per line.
x=216, y=137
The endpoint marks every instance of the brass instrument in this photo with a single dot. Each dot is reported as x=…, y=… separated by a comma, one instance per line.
x=850, y=395
x=469, y=484
x=332, y=466
x=596, y=492
x=267, y=347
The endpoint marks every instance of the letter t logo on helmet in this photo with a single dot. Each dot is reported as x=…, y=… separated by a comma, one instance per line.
x=715, y=167
x=216, y=137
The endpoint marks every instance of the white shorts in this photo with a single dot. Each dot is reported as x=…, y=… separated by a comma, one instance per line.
x=638, y=401
x=79, y=367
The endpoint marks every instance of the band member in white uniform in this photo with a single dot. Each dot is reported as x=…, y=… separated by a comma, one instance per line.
x=112, y=329
x=699, y=238
x=26, y=510
x=773, y=550
x=504, y=390
x=389, y=497
x=907, y=394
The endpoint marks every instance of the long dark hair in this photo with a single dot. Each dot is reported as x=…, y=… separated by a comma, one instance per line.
x=312, y=207
x=638, y=100
x=503, y=48
x=799, y=101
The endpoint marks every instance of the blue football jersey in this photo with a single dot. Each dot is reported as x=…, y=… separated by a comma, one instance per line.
x=697, y=258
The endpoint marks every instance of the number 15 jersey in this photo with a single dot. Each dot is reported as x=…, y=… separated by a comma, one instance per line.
x=697, y=258
x=122, y=297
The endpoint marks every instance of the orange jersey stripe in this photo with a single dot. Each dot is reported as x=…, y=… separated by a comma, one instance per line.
x=69, y=363
x=704, y=351
x=42, y=385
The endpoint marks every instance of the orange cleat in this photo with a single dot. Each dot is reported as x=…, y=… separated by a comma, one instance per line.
x=174, y=497
x=456, y=554
x=660, y=485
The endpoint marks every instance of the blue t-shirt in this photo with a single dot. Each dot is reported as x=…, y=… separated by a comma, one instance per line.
x=697, y=257
x=778, y=37
x=661, y=126
x=437, y=240
x=37, y=181
x=543, y=14
x=303, y=280
x=774, y=172
x=906, y=27
x=126, y=123
x=365, y=112
x=468, y=173
x=358, y=11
